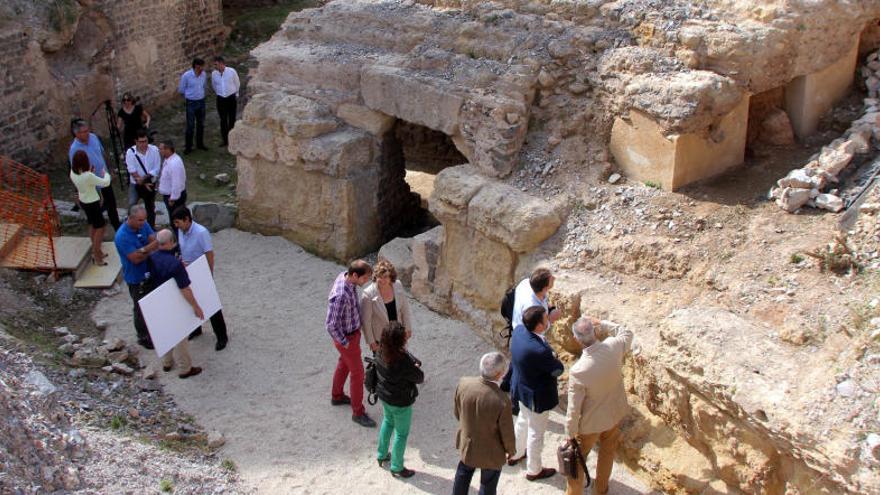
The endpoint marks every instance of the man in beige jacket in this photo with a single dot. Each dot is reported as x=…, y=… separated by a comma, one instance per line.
x=485, y=435
x=596, y=397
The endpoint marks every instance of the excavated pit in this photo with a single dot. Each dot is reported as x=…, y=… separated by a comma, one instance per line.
x=491, y=109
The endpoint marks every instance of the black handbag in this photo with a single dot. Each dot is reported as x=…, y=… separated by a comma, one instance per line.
x=571, y=459
x=371, y=380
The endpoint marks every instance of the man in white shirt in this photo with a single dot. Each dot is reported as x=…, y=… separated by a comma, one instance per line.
x=533, y=291
x=226, y=85
x=144, y=164
x=172, y=181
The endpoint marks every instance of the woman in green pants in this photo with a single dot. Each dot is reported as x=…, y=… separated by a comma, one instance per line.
x=399, y=373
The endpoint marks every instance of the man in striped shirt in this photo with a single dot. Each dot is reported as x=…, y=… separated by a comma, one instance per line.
x=344, y=325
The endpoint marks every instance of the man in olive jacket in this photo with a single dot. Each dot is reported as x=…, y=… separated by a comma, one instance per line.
x=485, y=434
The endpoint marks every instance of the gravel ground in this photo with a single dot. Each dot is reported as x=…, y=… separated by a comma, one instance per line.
x=268, y=392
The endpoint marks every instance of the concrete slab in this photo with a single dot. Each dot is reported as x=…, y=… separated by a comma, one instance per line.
x=93, y=276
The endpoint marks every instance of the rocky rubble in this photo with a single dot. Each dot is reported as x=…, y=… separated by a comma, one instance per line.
x=804, y=186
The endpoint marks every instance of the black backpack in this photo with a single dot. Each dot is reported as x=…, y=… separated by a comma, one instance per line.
x=507, y=313
x=371, y=380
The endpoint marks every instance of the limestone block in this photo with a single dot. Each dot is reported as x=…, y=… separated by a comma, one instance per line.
x=428, y=102
x=797, y=178
x=494, y=127
x=810, y=96
x=776, y=129
x=792, y=198
x=214, y=216
x=340, y=154
x=834, y=160
x=422, y=184
x=398, y=252
x=292, y=115
x=829, y=202
x=861, y=138
x=426, y=250
x=644, y=153
x=512, y=217
x=252, y=142
x=376, y=123
x=453, y=189
x=467, y=252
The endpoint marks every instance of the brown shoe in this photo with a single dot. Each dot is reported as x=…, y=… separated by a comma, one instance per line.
x=545, y=473
x=513, y=461
x=195, y=370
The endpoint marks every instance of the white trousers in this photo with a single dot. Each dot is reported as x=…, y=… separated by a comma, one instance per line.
x=529, y=430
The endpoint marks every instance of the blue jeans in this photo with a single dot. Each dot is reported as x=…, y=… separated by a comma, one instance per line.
x=488, y=480
x=195, y=119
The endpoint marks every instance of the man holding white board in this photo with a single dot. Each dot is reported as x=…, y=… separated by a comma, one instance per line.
x=164, y=265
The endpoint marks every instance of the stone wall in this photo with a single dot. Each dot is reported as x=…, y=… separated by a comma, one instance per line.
x=61, y=60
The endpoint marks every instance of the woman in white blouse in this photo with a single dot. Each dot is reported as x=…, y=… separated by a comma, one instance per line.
x=383, y=301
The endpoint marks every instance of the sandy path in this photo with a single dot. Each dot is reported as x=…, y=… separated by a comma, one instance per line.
x=269, y=391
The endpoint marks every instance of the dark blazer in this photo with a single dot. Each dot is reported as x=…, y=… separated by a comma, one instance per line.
x=535, y=370
x=485, y=424
x=397, y=383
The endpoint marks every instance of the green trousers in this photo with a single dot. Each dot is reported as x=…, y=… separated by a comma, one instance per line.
x=396, y=420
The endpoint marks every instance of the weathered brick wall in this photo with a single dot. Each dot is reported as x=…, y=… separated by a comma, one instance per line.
x=50, y=75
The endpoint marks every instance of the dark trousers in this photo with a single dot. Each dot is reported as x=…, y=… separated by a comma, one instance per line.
x=149, y=198
x=110, y=206
x=218, y=324
x=227, y=108
x=137, y=291
x=195, y=120
x=181, y=201
x=488, y=480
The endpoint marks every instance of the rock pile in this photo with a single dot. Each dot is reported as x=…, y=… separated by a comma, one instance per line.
x=804, y=186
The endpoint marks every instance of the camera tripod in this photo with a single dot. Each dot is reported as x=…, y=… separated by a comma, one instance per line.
x=116, y=144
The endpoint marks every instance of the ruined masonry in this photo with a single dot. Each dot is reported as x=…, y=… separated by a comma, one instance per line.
x=351, y=98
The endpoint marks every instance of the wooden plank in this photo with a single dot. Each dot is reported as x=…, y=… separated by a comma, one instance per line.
x=101, y=277
x=8, y=237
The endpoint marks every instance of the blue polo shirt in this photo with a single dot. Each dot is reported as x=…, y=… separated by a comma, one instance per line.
x=94, y=149
x=164, y=265
x=128, y=241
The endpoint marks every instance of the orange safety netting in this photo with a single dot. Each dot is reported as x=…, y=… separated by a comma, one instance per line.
x=28, y=219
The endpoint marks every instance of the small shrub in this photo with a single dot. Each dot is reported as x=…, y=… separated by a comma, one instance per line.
x=796, y=258
x=229, y=465
x=652, y=184
x=117, y=422
x=166, y=486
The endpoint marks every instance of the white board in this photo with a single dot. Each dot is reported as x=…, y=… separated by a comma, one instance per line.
x=169, y=317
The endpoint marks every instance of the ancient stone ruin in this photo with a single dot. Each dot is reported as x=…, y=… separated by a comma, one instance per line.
x=353, y=99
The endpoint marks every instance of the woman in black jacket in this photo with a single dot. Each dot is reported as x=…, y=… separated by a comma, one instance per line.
x=399, y=373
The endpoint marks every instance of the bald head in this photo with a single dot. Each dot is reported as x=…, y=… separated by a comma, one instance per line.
x=165, y=238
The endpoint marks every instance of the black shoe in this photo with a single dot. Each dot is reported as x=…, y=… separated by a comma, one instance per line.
x=220, y=345
x=187, y=151
x=403, y=473
x=383, y=460
x=146, y=344
x=202, y=147
x=195, y=333
x=364, y=421
x=513, y=461
x=166, y=369
x=340, y=402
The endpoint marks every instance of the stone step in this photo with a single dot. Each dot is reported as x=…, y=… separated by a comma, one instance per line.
x=92, y=276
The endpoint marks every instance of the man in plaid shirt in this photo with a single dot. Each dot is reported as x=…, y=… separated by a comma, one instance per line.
x=344, y=325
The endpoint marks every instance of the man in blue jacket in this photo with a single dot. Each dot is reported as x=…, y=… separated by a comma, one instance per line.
x=533, y=385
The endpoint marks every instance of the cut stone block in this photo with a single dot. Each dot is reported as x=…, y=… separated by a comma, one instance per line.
x=644, y=153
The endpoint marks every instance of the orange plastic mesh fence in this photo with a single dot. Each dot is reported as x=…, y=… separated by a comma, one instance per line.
x=28, y=219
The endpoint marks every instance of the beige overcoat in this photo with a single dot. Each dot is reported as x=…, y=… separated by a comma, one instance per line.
x=374, y=316
x=596, y=397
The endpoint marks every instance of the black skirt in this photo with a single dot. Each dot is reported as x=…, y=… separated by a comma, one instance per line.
x=94, y=214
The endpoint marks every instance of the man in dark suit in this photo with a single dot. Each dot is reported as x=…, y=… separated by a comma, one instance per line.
x=485, y=434
x=533, y=385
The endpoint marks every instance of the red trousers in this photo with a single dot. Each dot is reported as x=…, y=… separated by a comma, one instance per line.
x=350, y=362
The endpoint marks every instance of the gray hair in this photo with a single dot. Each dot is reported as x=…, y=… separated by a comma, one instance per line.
x=136, y=208
x=584, y=331
x=165, y=237
x=79, y=125
x=492, y=364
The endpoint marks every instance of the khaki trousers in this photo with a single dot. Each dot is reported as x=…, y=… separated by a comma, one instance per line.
x=180, y=353
x=608, y=441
